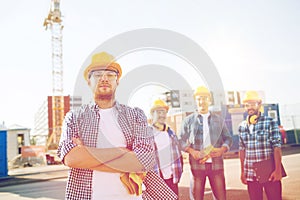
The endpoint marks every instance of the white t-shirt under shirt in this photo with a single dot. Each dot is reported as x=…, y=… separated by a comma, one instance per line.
x=105, y=185
x=163, y=144
x=206, y=136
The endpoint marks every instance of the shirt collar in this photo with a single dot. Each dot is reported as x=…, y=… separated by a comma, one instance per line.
x=205, y=115
x=95, y=107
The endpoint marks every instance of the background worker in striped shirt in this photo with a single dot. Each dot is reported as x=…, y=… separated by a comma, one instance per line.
x=169, y=158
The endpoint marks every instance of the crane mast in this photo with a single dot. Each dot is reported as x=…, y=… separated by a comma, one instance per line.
x=53, y=22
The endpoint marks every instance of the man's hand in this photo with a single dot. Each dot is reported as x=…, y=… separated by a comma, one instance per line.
x=77, y=141
x=243, y=178
x=197, y=154
x=276, y=176
x=217, y=152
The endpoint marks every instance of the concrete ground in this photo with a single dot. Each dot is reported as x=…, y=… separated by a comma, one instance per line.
x=235, y=189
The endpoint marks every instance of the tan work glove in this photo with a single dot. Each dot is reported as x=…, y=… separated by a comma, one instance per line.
x=206, y=151
x=133, y=182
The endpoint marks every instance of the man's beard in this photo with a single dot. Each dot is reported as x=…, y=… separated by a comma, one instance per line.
x=203, y=109
x=254, y=112
x=104, y=97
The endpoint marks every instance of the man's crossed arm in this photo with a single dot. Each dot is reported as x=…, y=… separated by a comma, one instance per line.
x=118, y=159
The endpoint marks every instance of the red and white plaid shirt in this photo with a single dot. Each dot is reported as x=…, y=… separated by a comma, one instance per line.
x=84, y=123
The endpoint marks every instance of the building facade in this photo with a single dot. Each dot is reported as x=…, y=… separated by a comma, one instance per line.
x=17, y=136
x=44, y=120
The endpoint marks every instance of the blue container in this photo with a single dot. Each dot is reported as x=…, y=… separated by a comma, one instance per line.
x=3, y=153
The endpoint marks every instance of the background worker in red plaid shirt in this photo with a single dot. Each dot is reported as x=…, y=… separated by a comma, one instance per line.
x=103, y=141
x=169, y=156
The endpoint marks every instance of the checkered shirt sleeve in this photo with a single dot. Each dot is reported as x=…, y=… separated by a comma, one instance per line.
x=80, y=123
x=138, y=134
x=177, y=162
x=156, y=188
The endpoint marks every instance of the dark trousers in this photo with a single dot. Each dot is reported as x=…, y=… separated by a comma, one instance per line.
x=273, y=190
x=216, y=179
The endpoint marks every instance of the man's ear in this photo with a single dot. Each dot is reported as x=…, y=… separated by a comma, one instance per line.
x=118, y=81
x=210, y=101
x=261, y=108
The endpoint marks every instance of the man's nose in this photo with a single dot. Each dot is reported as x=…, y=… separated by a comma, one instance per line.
x=201, y=101
x=103, y=78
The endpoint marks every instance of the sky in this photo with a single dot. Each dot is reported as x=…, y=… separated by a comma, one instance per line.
x=253, y=44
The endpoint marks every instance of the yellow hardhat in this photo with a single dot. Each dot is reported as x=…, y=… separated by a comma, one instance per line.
x=159, y=104
x=251, y=96
x=201, y=90
x=102, y=60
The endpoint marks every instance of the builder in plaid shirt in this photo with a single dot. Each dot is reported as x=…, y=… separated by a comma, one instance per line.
x=104, y=140
x=205, y=137
x=169, y=156
x=260, y=140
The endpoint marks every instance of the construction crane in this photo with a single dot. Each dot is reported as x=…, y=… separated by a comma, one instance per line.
x=53, y=22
